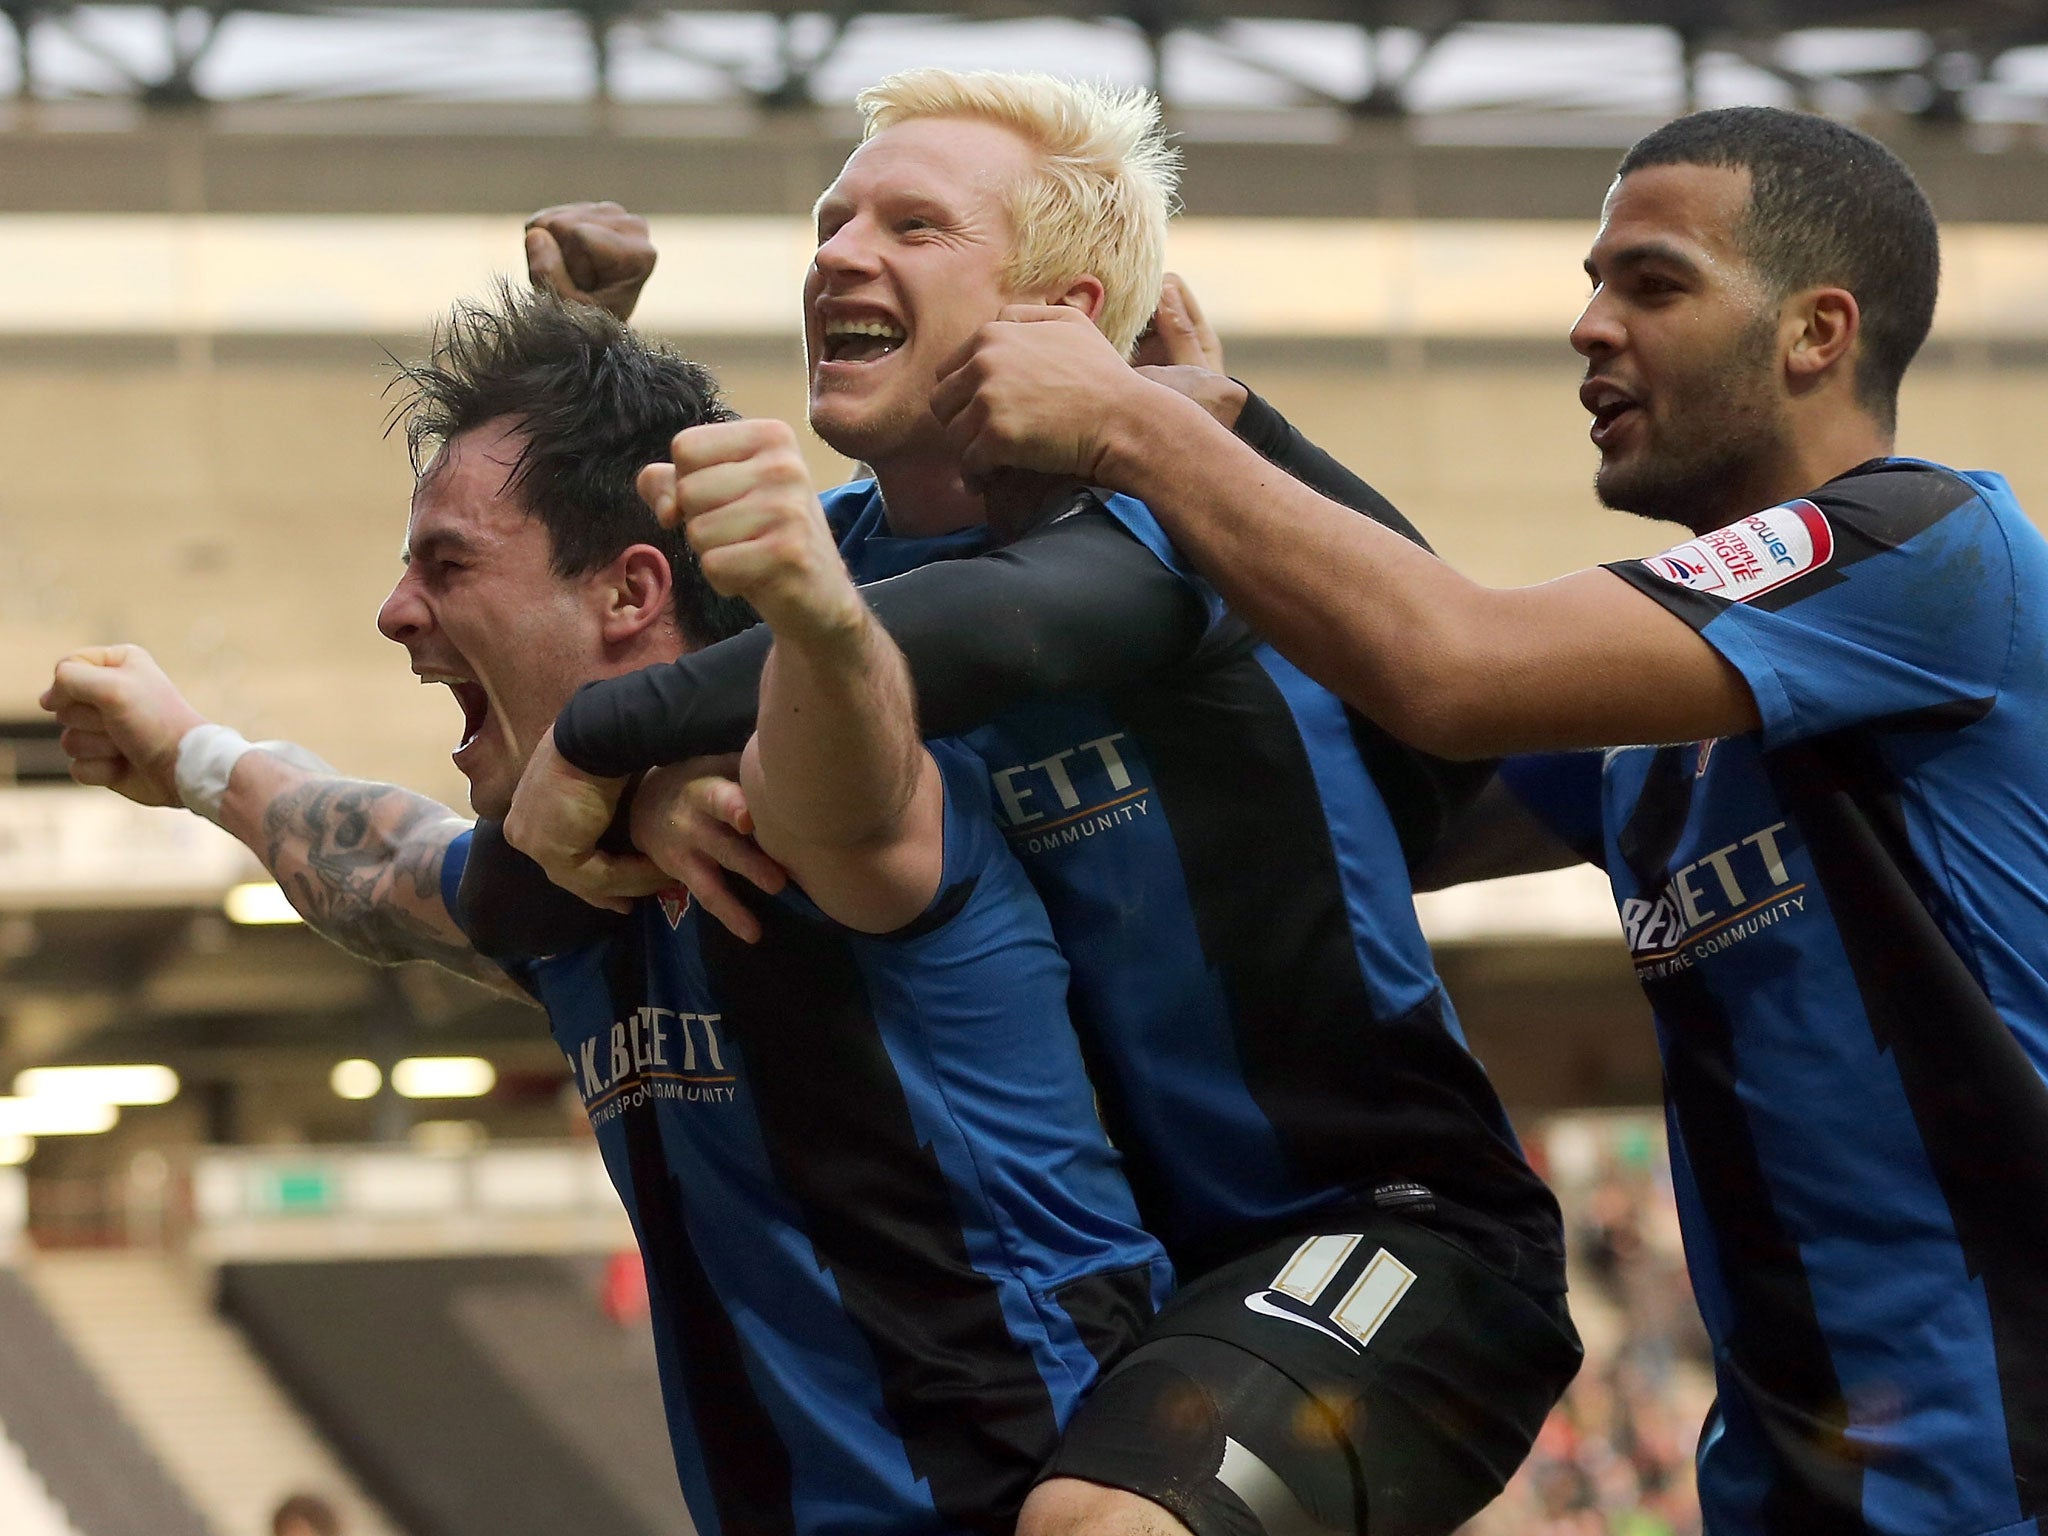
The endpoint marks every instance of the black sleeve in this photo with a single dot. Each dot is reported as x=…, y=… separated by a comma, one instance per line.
x=662, y=714
x=1079, y=604
x=1425, y=795
x=1276, y=437
x=511, y=911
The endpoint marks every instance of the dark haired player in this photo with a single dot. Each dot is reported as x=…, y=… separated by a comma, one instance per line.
x=1834, y=880
x=888, y=1246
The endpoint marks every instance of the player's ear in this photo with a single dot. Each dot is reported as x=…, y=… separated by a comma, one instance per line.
x=635, y=590
x=1083, y=293
x=1824, y=324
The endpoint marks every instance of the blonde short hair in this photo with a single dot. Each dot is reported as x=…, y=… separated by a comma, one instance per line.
x=1105, y=187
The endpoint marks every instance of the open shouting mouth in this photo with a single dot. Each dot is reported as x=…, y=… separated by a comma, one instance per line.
x=470, y=695
x=864, y=339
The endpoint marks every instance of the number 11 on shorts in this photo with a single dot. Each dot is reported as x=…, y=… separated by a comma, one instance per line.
x=1308, y=1276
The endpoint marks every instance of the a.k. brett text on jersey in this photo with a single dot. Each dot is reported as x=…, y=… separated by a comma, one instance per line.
x=888, y=1246
x=1265, y=1026
x=1841, y=921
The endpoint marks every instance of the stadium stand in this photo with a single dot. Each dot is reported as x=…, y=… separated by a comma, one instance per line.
x=77, y=1442
x=26, y=1507
x=192, y=1387
x=1615, y=1458
x=484, y=1396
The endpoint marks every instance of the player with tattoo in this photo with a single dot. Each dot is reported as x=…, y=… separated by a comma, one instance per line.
x=888, y=1245
x=360, y=861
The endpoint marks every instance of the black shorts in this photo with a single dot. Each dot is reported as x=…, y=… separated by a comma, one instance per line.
x=1380, y=1380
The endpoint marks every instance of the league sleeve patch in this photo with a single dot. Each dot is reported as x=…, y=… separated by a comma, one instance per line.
x=1752, y=557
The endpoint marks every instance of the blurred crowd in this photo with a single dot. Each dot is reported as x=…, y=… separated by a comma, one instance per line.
x=1616, y=1457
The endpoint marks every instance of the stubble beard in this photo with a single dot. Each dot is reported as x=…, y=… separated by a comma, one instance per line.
x=1688, y=486
x=874, y=436
x=491, y=798
x=1730, y=426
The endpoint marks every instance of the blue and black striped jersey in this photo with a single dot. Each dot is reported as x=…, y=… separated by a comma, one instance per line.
x=887, y=1243
x=1263, y=1018
x=1225, y=850
x=1841, y=921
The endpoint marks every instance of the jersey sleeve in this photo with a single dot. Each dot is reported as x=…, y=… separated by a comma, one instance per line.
x=1282, y=444
x=971, y=839
x=507, y=906
x=455, y=867
x=1137, y=520
x=1073, y=606
x=1562, y=791
x=704, y=703
x=1888, y=595
x=453, y=864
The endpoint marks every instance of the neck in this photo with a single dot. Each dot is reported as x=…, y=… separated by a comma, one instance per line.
x=650, y=648
x=1019, y=499
x=923, y=498
x=1817, y=450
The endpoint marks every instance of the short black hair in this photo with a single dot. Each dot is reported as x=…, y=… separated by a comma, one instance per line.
x=597, y=403
x=1827, y=205
x=308, y=1510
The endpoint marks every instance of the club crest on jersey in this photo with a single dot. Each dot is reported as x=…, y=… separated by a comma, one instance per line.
x=1752, y=557
x=675, y=901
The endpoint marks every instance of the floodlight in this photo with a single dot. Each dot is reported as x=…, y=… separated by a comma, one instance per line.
x=258, y=902
x=355, y=1078
x=55, y=1117
x=444, y=1077
x=132, y=1084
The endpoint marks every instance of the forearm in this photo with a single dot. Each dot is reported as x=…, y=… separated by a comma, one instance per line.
x=359, y=861
x=1375, y=618
x=837, y=754
x=1081, y=605
x=1281, y=442
x=1458, y=669
x=696, y=707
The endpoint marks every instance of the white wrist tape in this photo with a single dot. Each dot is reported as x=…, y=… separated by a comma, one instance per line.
x=207, y=755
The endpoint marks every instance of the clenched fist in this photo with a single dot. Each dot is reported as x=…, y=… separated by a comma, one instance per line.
x=123, y=720
x=590, y=253
x=742, y=492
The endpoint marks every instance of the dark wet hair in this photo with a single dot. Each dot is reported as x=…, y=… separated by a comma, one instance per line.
x=1827, y=205
x=597, y=403
x=309, y=1510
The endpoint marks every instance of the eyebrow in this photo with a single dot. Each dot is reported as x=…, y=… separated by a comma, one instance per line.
x=918, y=204
x=1642, y=254
x=435, y=543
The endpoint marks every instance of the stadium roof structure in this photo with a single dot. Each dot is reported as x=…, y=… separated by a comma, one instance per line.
x=1953, y=61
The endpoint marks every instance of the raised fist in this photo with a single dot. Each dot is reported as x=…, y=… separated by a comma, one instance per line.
x=590, y=253
x=741, y=491
x=123, y=720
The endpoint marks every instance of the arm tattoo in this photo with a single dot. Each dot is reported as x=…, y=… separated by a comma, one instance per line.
x=362, y=863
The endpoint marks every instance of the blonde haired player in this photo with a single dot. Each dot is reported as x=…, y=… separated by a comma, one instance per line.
x=1099, y=197
x=1371, y=1326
